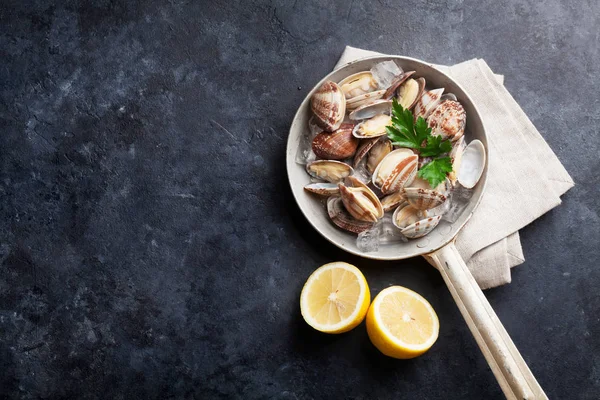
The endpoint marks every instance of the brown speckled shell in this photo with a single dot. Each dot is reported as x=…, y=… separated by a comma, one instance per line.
x=403, y=174
x=427, y=103
x=328, y=105
x=355, y=195
x=448, y=120
x=423, y=199
x=338, y=145
x=341, y=218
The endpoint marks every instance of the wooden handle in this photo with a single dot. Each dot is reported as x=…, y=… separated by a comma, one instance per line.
x=507, y=364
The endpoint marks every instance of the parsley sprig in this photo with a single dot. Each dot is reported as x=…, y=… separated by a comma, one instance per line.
x=405, y=132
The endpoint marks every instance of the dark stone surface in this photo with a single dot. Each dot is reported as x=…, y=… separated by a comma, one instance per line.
x=150, y=246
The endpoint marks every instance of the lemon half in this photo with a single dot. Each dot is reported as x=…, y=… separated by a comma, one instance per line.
x=335, y=298
x=401, y=323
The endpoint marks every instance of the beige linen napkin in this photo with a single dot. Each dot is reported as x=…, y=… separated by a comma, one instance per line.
x=518, y=191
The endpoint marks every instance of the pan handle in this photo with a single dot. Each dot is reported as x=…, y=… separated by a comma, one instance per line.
x=507, y=364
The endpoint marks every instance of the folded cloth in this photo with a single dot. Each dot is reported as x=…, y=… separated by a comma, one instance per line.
x=525, y=178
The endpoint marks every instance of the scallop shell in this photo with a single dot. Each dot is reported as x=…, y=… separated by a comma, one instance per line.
x=366, y=98
x=427, y=102
x=328, y=105
x=423, y=199
x=341, y=218
x=337, y=145
x=323, y=189
x=371, y=109
x=329, y=170
x=373, y=127
x=448, y=120
x=360, y=201
x=396, y=170
x=358, y=84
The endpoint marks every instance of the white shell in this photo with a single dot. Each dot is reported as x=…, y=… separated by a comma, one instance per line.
x=323, y=189
x=366, y=98
x=371, y=109
x=358, y=84
x=472, y=164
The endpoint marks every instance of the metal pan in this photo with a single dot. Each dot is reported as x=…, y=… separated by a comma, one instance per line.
x=511, y=371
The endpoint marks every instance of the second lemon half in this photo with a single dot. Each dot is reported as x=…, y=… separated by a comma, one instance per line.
x=401, y=323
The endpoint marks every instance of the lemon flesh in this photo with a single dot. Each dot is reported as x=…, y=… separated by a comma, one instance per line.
x=335, y=298
x=401, y=323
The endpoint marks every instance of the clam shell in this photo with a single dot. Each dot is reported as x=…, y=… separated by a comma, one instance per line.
x=392, y=201
x=421, y=228
x=448, y=96
x=323, y=189
x=423, y=199
x=419, y=183
x=448, y=120
x=371, y=109
x=341, y=218
x=363, y=148
x=337, y=145
x=456, y=155
x=442, y=188
x=360, y=201
x=382, y=148
x=329, y=170
x=358, y=84
x=399, y=80
x=410, y=92
x=405, y=215
x=366, y=98
x=328, y=105
x=472, y=164
x=396, y=170
x=373, y=127
x=414, y=223
x=427, y=102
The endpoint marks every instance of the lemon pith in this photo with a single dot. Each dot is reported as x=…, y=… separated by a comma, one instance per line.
x=335, y=298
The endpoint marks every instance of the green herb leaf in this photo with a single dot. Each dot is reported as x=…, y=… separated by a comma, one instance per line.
x=422, y=130
x=436, y=146
x=435, y=171
x=398, y=139
x=405, y=132
x=402, y=129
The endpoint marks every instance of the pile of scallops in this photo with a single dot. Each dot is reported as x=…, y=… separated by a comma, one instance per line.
x=363, y=175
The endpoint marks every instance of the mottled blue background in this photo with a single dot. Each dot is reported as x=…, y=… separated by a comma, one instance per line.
x=150, y=246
